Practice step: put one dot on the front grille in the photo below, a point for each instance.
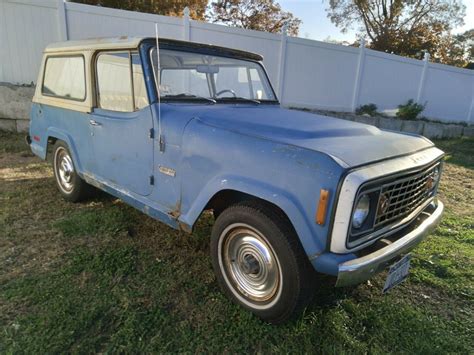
(404, 195)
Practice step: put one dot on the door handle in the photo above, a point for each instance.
(95, 123)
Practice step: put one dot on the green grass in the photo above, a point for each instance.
(100, 276)
(459, 151)
(89, 222)
(12, 143)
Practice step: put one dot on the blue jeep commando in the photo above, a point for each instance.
(190, 127)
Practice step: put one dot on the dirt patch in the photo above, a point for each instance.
(21, 157)
(29, 171)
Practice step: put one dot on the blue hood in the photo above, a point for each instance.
(351, 142)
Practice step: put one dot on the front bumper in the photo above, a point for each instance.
(378, 256)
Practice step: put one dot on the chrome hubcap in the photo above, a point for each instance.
(64, 169)
(250, 264)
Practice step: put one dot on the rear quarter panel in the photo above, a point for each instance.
(64, 124)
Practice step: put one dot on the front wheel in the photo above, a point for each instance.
(259, 261)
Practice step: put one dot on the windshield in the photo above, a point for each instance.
(187, 75)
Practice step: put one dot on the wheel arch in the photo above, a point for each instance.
(53, 135)
(228, 197)
(241, 189)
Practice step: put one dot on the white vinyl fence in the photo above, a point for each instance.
(305, 73)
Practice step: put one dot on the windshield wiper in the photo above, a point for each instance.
(239, 98)
(189, 96)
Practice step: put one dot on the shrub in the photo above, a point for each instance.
(410, 110)
(369, 109)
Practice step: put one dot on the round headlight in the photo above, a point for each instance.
(361, 211)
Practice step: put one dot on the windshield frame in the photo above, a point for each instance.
(203, 50)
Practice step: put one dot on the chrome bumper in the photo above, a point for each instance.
(358, 270)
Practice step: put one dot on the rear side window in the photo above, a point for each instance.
(64, 77)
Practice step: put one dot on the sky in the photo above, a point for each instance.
(317, 26)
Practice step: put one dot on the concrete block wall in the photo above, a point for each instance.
(15, 105)
(435, 130)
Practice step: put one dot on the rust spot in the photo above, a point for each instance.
(174, 214)
(176, 211)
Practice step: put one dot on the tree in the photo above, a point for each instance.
(160, 7)
(404, 27)
(260, 15)
(462, 49)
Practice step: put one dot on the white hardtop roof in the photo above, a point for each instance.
(126, 42)
(95, 43)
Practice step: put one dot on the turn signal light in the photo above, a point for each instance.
(322, 206)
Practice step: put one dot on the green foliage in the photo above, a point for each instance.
(369, 109)
(410, 110)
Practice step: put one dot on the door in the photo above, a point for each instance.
(121, 123)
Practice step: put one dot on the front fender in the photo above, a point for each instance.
(273, 194)
(290, 177)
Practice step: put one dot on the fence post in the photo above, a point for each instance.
(426, 61)
(187, 27)
(359, 73)
(282, 64)
(62, 21)
(470, 114)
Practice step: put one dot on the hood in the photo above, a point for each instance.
(350, 142)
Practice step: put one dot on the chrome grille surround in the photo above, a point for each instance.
(407, 195)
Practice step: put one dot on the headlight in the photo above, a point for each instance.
(361, 211)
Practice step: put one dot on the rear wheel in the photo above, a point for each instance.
(69, 183)
(259, 261)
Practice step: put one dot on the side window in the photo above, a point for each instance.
(114, 84)
(120, 82)
(139, 88)
(64, 77)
